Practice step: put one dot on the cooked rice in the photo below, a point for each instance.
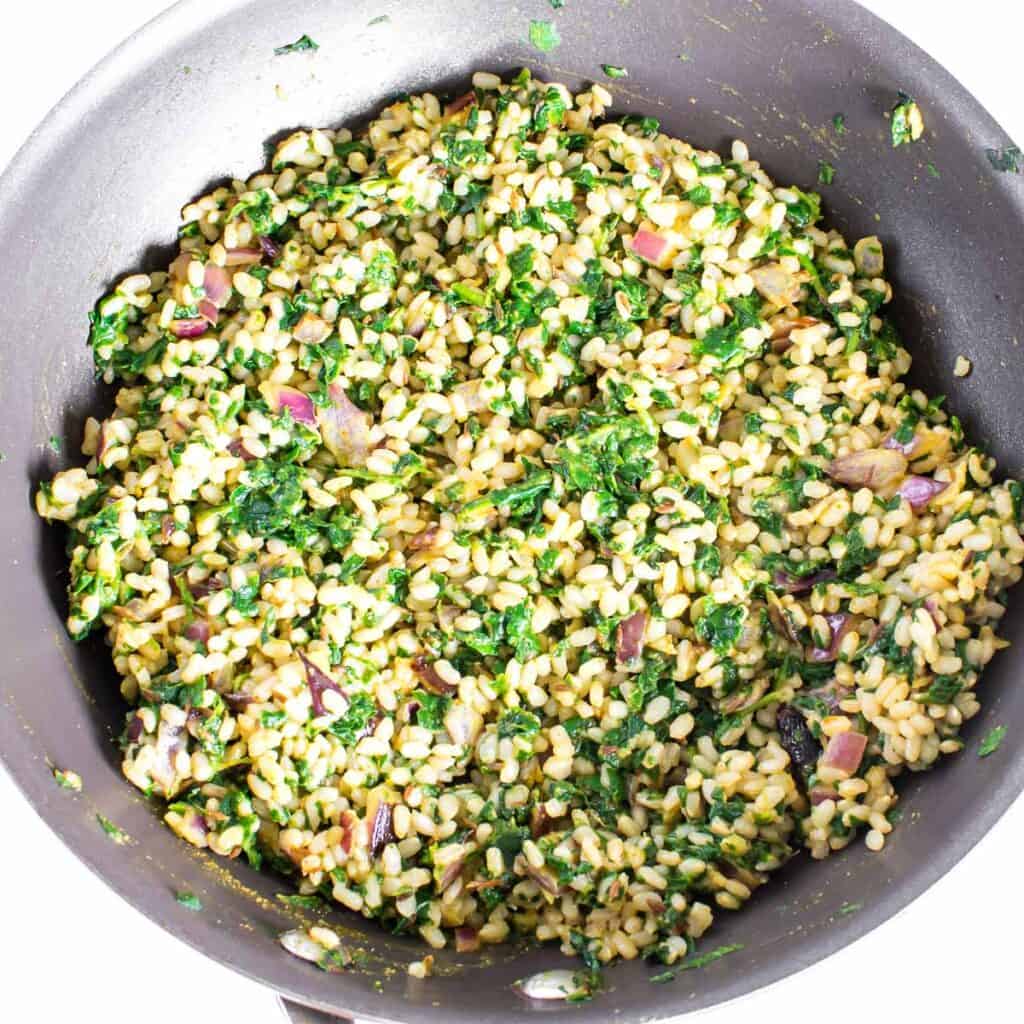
(500, 553)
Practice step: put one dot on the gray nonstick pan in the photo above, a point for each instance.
(194, 97)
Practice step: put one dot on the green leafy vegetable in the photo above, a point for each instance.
(189, 900)
(614, 71)
(544, 36)
(839, 124)
(115, 834)
(720, 625)
(992, 741)
(826, 172)
(905, 124)
(300, 44)
(1006, 160)
(354, 722)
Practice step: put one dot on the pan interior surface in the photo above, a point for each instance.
(194, 99)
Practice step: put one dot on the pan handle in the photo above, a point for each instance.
(297, 1014)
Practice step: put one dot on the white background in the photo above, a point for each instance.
(952, 955)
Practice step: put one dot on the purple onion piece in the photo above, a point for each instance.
(271, 250)
(802, 584)
(629, 638)
(189, 327)
(318, 682)
(381, 827)
(919, 490)
(428, 675)
(344, 427)
(839, 625)
(907, 449)
(198, 631)
(134, 729)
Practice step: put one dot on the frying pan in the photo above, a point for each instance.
(194, 98)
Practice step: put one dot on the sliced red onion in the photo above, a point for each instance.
(876, 468)
(237, 701)
(906, 450)
(217, 284)
(238, 449)
(424, 539)
(919, 490)
(198, 631)
(547, 881)
(629, 638)
(819, 794)
(311, 329)
(461, 102)
(467, 940)
(280, 397)
(540, 822)
(830, 694)
(844, 751)
(932, 607)
(380, 824)
(167, 528)
(135, 728)
(270, 249)
(451, 873)
(349, 825)
(208, 311)
(781, 619)
(192, 826)
(801, 584)
(648, 245)
(344, 427)
(319, 683)
(839, 625)
(189, 327)
(429, 677)
(204, 588)
(168, 743)
(242, 257)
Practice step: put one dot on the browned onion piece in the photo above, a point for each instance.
(876, 468)
(430, 679)
(344, 427)
(467, 940)
(311, 329)
(776, 284)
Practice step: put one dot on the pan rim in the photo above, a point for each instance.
(184, 18)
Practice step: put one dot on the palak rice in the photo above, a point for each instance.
(513, 523)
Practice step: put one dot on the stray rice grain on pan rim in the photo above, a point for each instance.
(514, 523)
